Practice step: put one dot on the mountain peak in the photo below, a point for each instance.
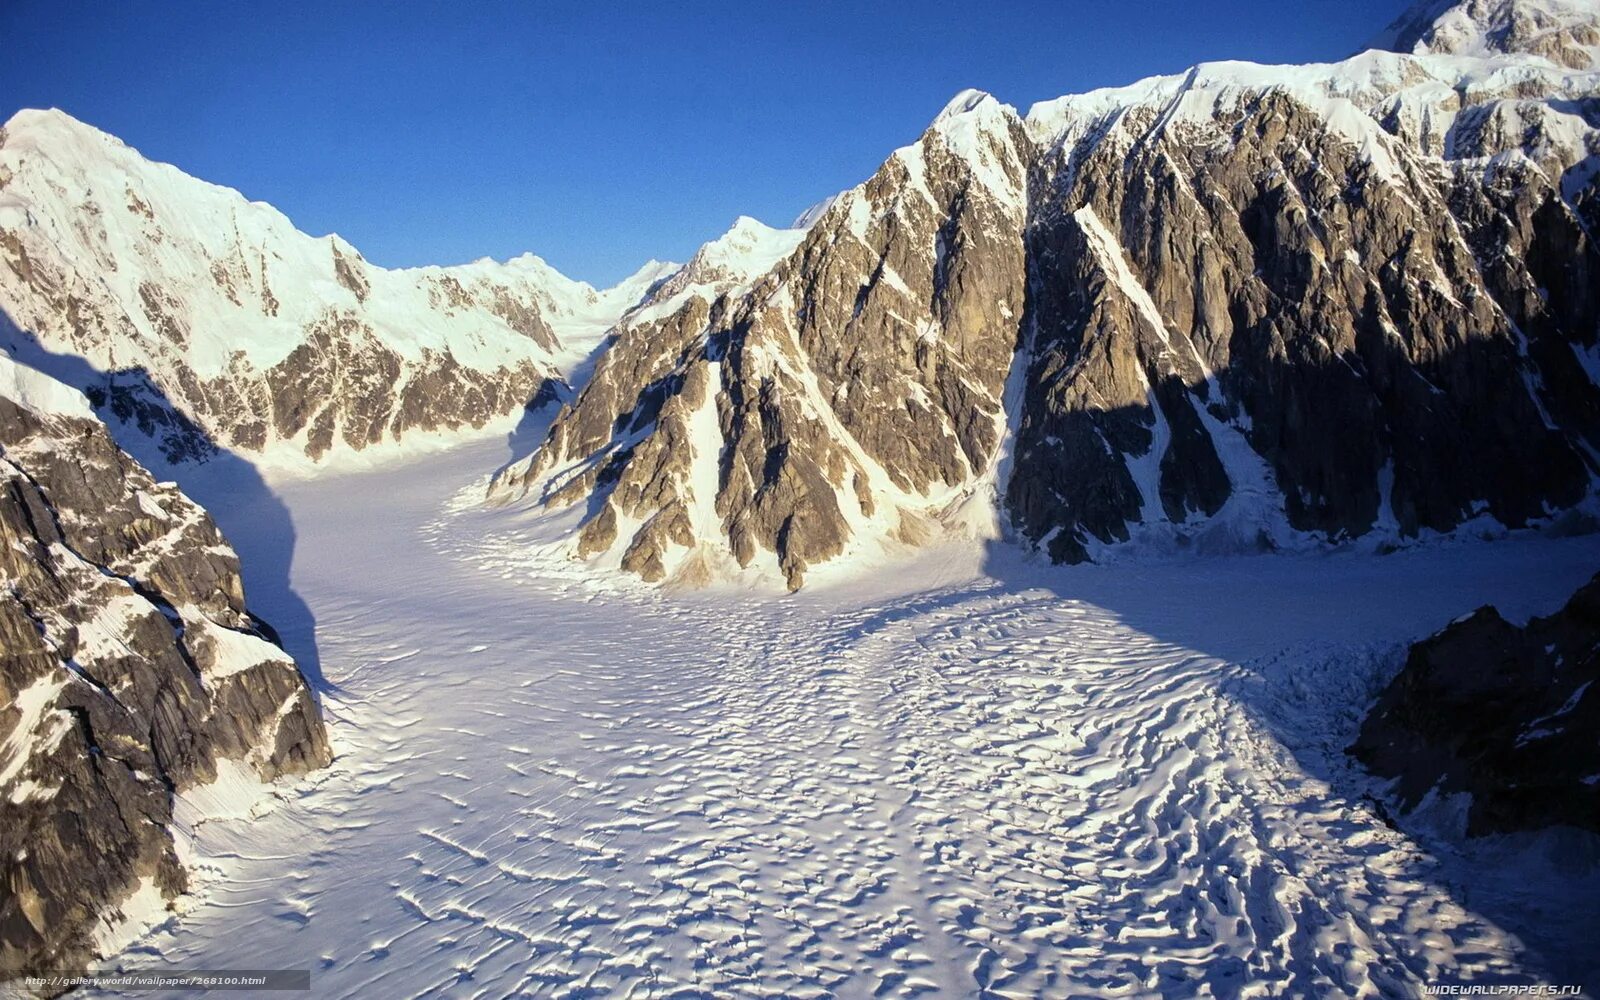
(31, 118)
(1566, 32)
(747, 248)
(56, 129)
(745, 229)
(967, 100)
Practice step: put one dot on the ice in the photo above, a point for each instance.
(965, 772)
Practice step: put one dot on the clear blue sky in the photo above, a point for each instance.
(596, 135)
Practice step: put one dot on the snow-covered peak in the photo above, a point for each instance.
(971, 113)
(269, 340)
(1565, 32)
(40, 120)
(966, 101)
(978, 129)
(1377, 99)
(809, 217)
(746, 251)
(749, 247)
(39, 392)
(248, 281)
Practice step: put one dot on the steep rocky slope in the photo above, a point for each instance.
(774, 420)
(1503, 713)
(1327, 300)
(129, 670)
(206, 320)
(1242, 306)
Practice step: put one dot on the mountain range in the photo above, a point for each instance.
(1238, 307)
(1241, 307)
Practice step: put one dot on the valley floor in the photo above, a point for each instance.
(981, 775)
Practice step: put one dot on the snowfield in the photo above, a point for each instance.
(975, 775)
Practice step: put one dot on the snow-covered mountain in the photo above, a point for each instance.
(1561, 31)
(205, 319)
(130, 669)
(1242, 305)
(828, 398)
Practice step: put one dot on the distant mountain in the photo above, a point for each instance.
(205, 320)
(1242, 306)
(1561, 31)
(130, 670)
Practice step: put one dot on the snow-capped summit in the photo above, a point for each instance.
(1565, 32)
(1237, 307)
(749, 248)
(964, 102)
(207, 320)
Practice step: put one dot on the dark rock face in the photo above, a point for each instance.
(129, 668)
(1505, 714)
(1399, 345)
(1247, 307)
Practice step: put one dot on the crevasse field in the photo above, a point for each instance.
(971, 775)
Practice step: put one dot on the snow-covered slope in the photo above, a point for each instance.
(201, 315)
(129, 669)
(1561, 31)
(938, 783)
(1241, 306)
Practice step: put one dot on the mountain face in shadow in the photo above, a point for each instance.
(1504, 713)
(131, 670)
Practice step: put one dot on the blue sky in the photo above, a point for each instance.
(596, 135)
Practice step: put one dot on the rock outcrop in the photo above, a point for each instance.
(1505, 714)
(203, 320)
(1239, 307)
(130, 670)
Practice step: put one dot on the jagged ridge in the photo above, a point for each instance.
(1244, 306)
(205, 320)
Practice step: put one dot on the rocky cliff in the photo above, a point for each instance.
(204, 320)
(1502, 713)
(1242, 306)
(130, 670)
(775, 420)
